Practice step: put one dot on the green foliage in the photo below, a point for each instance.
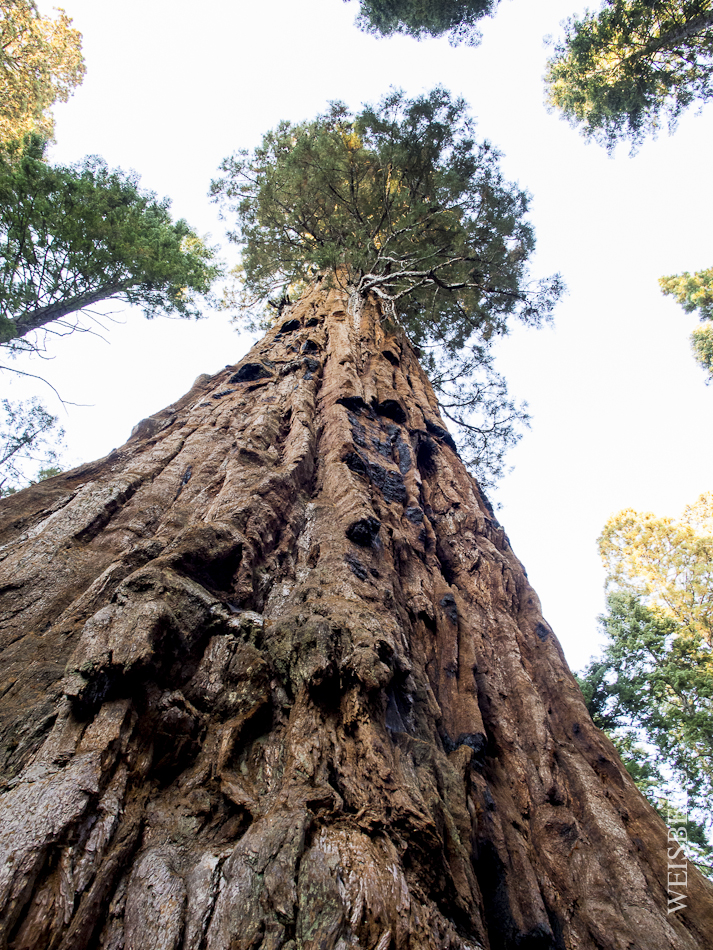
(29, 437)
(695, 292)
(695, 839)
(72, 236)
(652, 692)
(652, 688)
(608, 715)
(50, 472)
(618, 73)
(423, 18)
(666, 562)
(401, 201)
(692, 291)
(702, 345)
(40, 64)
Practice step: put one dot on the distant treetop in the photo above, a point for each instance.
(40, 64)
(423, 18)
(620, 73)
(695, 293)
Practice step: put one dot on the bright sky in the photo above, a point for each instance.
(621, 414)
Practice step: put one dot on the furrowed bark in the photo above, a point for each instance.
(273, 678)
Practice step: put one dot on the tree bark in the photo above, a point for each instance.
(273, 678)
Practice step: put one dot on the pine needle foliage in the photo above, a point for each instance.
(622, 73)
(401, 201)
(425, 18)
(651, 691)
(40, 64)
(667, 563)
(30, 441)
(652, 688)
(71, 236)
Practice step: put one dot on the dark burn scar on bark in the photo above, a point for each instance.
(355, 566)
(448, 602)
(542, 631)
(391, 409)
(364, 531)
(249, 373)
(390, 484)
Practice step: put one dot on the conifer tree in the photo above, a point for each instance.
(621, 73)
(424, 18)
(400, 201)
(73, 236)
(40, 64)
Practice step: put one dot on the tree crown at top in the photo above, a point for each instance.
(619, 72)
(401, 201)
(422, 18)
(40, 64)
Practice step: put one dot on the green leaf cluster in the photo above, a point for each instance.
(40, 64)
(402, 202)
(30, 439)
(71, 236)
(424, 18)
(619, 72)
(651, 691)
(666, 562)
(695, 292)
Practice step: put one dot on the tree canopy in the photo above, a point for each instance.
(423, 18)
(695, 293)
(399, 200)
(40, 64)
(651, 689)
(654, 681)
(71, 236)
(619, 73)
(30, 440)
(665, 562)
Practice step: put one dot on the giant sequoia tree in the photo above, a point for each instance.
(401, 201)
(273, 678)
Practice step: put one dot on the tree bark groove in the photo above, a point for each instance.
(273, 678)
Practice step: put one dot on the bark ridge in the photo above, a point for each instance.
(272, 677)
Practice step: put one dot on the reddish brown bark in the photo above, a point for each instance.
(273, 678)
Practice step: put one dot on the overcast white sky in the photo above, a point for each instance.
(621, 414)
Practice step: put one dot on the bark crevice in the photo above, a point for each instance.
(274, 679)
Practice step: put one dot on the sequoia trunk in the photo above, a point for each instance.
(273, 678)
